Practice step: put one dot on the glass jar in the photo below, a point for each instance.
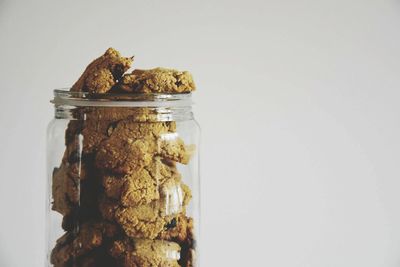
(123, 180)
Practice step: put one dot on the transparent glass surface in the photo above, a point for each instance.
(123, 181)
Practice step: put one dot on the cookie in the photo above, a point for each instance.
(124, 156)
(158, 80)
(65, 190)
(132, 146)
(71, 246)
(140, 187)
(148, 221)
(146, 253)
(103, 73)
(126, 153)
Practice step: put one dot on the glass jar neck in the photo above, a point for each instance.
(139, 114)
(153, 107)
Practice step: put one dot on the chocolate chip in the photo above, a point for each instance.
(171, 224)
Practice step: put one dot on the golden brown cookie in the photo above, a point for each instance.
(148, 221)
(132, 147)
(84, 136)
(71, 246)
(116, 139)
(158, 80)
(146, 215)
(102, 74)
(95, 124)
(65, 190)
(146, 253)
(142, 186)
(124, 156)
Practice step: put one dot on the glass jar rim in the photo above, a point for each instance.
(64, 97)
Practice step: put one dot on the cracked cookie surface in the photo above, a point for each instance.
(133, 145)
(149, 220)
(157, 80)
(142, 186)
(146, 253)
(102, 74)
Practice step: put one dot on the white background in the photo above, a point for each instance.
(298, 102)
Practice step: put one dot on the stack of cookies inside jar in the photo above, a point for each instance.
(118, 188)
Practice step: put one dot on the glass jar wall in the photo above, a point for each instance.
(123, 181)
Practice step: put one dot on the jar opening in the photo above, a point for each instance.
(63, 97)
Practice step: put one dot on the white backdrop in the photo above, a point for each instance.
(298, 102)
